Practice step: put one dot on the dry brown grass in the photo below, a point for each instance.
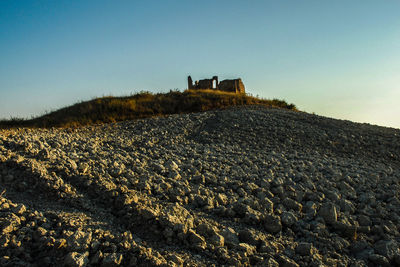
(141, 105)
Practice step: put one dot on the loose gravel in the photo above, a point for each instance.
(246, 186)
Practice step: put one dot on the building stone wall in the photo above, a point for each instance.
(233, 86)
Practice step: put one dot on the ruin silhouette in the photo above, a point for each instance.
(233, 86)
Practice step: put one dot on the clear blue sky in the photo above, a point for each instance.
(335, 58)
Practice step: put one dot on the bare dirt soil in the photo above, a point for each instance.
(247, 186)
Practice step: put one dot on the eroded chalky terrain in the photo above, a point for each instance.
(240, 187)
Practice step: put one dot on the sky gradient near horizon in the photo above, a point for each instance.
(339, 59)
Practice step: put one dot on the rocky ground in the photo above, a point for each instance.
(246, 186)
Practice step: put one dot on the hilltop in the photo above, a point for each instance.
(142, 105)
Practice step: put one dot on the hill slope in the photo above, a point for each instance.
(242, 186)
(142, 105)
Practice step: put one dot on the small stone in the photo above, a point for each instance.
(230, 236)
(199, 179)
(73, 164)
(266, 247)
(252, 216)
(241, 209)
(20, 209)
(328, 212)
(172, 165)
(4, 240)
(272, 224)
(268, 204)
(347, 230)
(217, 240)
(387, 248)
(248, 237)
(75, 259)
(332, 195)
(60, 243)
(15, 242)
(288, 218)
(158, 167)
(255, 260)
(177, 260)
(249, 249)
(196, 240)
(359, 246)
(221, 199)
(287, 262)
(346, 206)
(364, 255)
(83, 167)
(111, 259)
(304, 249)
(347, 190)
(174, 174)
(379, 260)
(292, 204)
(270, 263)
(364, 229)
(364, 220)
(310, 208)
(79, 240)
(116, 171)
(201, 201)
(4, 206)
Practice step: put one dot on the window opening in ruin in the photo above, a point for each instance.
(214, 84)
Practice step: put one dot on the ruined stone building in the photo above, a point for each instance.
(233, 86)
